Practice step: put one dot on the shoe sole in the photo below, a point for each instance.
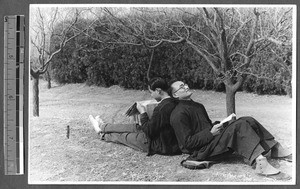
(189, 164)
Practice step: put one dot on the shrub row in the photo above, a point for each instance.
(127, 66)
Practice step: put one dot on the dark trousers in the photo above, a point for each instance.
(245, 136)
(127, 134)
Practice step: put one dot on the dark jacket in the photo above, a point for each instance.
(160, 134)
(192, 126)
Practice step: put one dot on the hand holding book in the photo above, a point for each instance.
(138, 108)
(227, 119)
(141, 107)
(218, 128)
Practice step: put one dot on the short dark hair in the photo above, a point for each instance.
(158, 82)
(170, 88)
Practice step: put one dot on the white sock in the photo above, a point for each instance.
(260, 157)
(95, 124)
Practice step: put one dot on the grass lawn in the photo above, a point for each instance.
(83, 157)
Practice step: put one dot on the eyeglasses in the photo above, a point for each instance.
(182, 86)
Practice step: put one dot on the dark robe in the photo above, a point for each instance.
(192, 126)
(160, 134)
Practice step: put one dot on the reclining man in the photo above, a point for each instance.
(205, 141)
(155, 135)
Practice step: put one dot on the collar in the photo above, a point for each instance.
(167, 97)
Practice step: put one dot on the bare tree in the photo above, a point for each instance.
(118, 27)
(227, 38)
(44, 32)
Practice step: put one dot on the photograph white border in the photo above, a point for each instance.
(294, 81)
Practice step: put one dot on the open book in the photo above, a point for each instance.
(229, 118)
(149, 104)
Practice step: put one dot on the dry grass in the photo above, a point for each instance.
(83, 157)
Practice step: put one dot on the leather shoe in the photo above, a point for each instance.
(263, 167)
(191, 164)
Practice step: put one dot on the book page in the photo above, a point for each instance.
(149, 104)
(228, 118)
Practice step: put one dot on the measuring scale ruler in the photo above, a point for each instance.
(14, 27)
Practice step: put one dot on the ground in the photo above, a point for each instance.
(55, 158)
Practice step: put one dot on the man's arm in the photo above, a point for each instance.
(151, 126)
(206, 114)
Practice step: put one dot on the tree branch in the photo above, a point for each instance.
(237, 33)
(210, 26)
(205, 36)
(205, 57)
(150, 64)
(252, 40)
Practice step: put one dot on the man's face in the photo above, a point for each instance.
(181, 90)
(155, 94)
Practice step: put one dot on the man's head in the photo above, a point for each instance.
(181, 90)
(158, 88)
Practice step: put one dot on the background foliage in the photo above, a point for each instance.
(84, 59)
(127, 66)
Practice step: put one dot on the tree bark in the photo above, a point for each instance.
(230, 99)
(150, 64)
(48, 79)
(35, 95)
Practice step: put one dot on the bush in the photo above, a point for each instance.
(127, 66)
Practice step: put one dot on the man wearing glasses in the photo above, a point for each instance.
(207, 141)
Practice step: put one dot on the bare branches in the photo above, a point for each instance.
(43, 36)
(227, 38)
(278, 42)
(213, 40)
(209, 60)
(237, 33)
(255, 75)
(134, 30)
(252, 39)
(210, 26)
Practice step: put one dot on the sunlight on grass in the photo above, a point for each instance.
(84, 157)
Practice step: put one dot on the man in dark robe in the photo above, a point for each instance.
(204, 140)
(153, 136)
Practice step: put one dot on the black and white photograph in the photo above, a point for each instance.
(164, 94)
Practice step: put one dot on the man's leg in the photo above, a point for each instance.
(237, 137)
(101, 127)
(137, 141)
(126, 134)
(120, 128)
(267, 140)
(262, 132)
(245, 141)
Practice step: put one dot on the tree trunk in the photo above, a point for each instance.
(150, 64)
(35, 95)
(289, 89)
(230, 100)
(48, 79)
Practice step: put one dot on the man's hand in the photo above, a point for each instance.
(140, 107)
(216, 129)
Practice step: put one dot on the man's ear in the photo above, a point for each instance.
(174, 95)
(158, 90)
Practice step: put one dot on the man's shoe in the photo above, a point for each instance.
(263, 167)
(190, 164)
(279, 152)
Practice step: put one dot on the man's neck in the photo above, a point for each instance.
(186, 98)
(165, 96)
